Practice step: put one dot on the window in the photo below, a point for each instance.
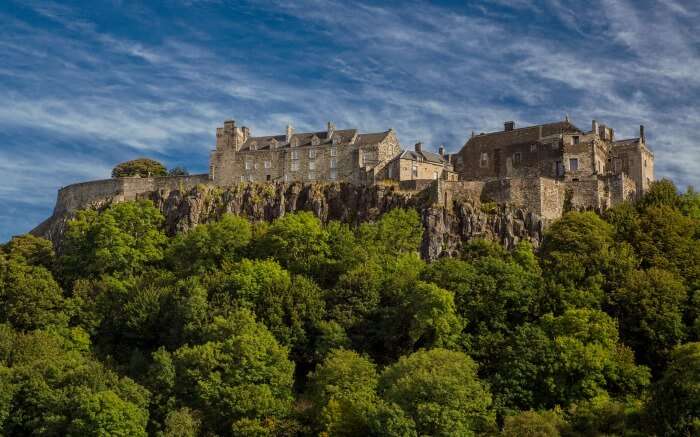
(414, 170)
(555, 145)
(574, 139)
(311, 176)
(573, 164)
(255, 166)
(333, 163)
(295, 165)
(516, 158)
(391, 171)
(312, 165)
(558, 169)
(248, 165)
(253, 145)
(250, 178)
(312, 153)
(533, 147)
(286, 178)
(334, 150)
(268, 164)
(242, 178)
(484, 161)
(315, 141)
(333, 174)
(435, 175)
(295, 154)
(336, 139)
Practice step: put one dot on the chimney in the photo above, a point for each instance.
(246, 133)
(229, 125)
(290, 132)
(595, 128)
(419, 147)
(642, 138)
(508, 126)
(604, 131)
(441, 150)
(330, 130)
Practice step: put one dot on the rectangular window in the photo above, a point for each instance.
(248, 165)
(312, 153)
(484, 161)
(414, 170)
(312, 176)
(268, 164)
(312, 165)
(533, 147)
(333, 174)
(250, 177)
(573, 164)
(334, 151)
(295, 154)
(574, 140)
(256, 165)
(333, 163)
(295, 165)
(558, 169)
(516, 158)
(435, 175)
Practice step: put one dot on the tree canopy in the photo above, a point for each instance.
(143, 167)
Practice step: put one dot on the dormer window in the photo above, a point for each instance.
(253, 145)
(294, 142)
(273, 143)
(334, 151)
(336, 140)
(315, 141)
(312, 153)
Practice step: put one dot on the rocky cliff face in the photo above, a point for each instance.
(446, 228)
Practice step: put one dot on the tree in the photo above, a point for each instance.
(297, 241)
(208, 246)
(439, 390)
(30, 298)
(31, 250)
(343, 393)
(563, 360)
(533, 424)
(54, 387)
(660, 193)
(121, 240)
(674, 409)
(650, 308)
(178, 171)
(142, 167)
(238, 376)
(398, 231)
(581, 260)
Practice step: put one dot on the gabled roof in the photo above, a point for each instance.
(425, 156)
(344, 136)
(521, 135)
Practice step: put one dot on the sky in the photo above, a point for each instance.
(86, 85)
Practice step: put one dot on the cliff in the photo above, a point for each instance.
(448, 223)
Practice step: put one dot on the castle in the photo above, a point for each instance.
(545, 169)
(541, 167)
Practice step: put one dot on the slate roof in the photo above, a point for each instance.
(304, 139)
(521, 135)
(426, 156)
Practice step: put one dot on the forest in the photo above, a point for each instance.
(300, 328)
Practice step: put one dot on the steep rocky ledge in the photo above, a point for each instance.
(446, 227)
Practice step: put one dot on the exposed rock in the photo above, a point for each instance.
(446, 228)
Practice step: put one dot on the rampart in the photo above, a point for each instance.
(82, 195)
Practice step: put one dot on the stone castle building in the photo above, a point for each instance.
(342, 155)
(544, 169)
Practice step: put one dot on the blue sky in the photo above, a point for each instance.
(85, 85)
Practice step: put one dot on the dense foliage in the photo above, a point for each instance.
(143, 167)
(302, 328)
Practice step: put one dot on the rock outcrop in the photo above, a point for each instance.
(446, 227)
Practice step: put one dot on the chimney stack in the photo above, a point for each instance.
(330, 130)
(419, 147)
(595, 128)
(508, 126)
(642, 137)
(246, 133)
(290, 132)
(441, 150)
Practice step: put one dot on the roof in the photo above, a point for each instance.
(425, 156)
(343, 136)
(626, 142)
(521, 135)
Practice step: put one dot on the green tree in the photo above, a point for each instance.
(208, 246)
(440, 391)
(122, 240)
(297, 241)
(650, 307)
(31, 250)
(178, 171)
(142, 167)
(343, 393)
(660, 193)
(674, 409)
(237, 374)
(55, 387)
(30, 298)
(534, 424)
(398, 231)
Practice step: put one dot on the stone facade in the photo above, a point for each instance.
(331, 155)
(418, 164)
(591, 168)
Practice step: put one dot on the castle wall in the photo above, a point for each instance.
(85, 194)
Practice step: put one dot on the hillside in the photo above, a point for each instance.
(324, 309)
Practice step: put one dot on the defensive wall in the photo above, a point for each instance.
(85, 194)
